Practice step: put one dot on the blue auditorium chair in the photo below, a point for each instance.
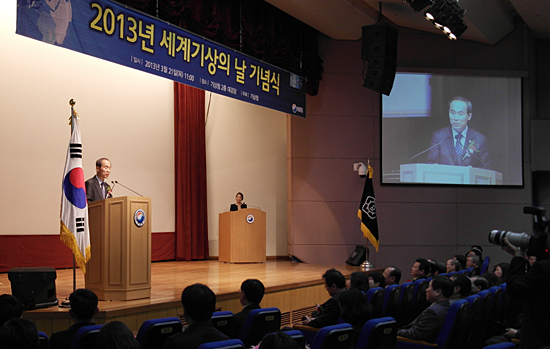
(503, 345)
(298, 336)
(375, 297)
(44, 340)
(153, 333)
(477, 335)
(258, 323)
(333, 337)
(484, 265)
(85, 337)
(227, 344)
(391, 300)
(404, 309)
(378, 333)
(224, 321)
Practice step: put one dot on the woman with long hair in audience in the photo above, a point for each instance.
(355, 310)
(501, 271)
(116, 335)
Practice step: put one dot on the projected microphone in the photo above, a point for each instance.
(433, 146)
(133, 191)
(470, 152)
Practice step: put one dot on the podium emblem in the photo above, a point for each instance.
(139, 217)
(250, 219)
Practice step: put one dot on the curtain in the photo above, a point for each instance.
(190, 176)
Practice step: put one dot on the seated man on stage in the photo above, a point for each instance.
(252, 292)
(459, 145)
(97, 187)
(427, 325)
(328, 312)
(83, 309)
(199, 302)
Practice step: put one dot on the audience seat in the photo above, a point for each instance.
(298, 336)
(258, 323)
(391, 300)
(44, 340)
(404, 309)
(153, 333)
(375, 297)
(484, 265)
(227, 344)
(501, 346)
(451, 336)
(419, 298)
(333, 337)
(85, 337)
(477, 334)
(378, 333)
(224, 321)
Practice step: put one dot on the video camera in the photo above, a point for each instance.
(535, 244)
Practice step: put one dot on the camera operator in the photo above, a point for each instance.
(531, 286)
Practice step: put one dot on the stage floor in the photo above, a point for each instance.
(292, 287)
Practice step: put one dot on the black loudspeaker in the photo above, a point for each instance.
(379, 49)
(358, 256)
(34, 287)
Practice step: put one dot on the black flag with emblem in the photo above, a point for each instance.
(367, 212)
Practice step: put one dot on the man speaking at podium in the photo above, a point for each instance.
(96, 187)
(459, 145)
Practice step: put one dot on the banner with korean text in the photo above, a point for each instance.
(107, 30)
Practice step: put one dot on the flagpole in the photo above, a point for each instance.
(366, 265)
(72, 102)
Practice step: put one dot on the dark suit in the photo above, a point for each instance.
(427, 325)
(241, 317)
(62, 339)
(329, 313)
(93, 190)
(444, 153)
(234, 207)
(194, 335)
(533, 290)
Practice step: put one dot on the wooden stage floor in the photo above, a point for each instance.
(292, 287)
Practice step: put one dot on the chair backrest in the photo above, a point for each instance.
(44, 340)
(404, 309)
(226, 344)
(375, 297)
(419, 299)
(85, 337)
(391, 300)
(333, 337)
(224, 321)
(154, 332)
(298, 336)
(469, 271)
(484, 265)
(503, 345)
(480, 318)
(258, 323)
(454, 332)
(378, 333)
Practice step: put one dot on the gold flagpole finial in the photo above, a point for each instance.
(72, 102)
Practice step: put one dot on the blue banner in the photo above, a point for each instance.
(107, 30)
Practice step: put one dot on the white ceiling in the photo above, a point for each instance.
(488, 21)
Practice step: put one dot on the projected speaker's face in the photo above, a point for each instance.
(458, 115)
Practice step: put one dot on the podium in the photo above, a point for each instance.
(120, 239)
(242, 236)
(448, 174)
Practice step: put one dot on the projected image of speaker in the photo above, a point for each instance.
(358, 256)
(34, 287)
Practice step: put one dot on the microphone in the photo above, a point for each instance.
(422, 152)
(133, 191)
(470, 152)
(113, 183)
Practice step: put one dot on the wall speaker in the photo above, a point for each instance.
(34, 287)
(379, 49)
(358, 256)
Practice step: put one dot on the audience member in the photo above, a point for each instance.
(427, 325)
(278, 340)
(251, 294)
(461, 259)
(199, 302)
(376, 279)
(492, 279)
(531, 259)
(10, 308)
(473, 262)
(392, 276)
(441, 268)
(501, 271)
(19, 333)
(83, 309)
(479, 284)
(462, 287)
(355, 310)
(328, 312)
(359, 280)
(453, 265)
(116, 335)
(420, 269)
(475, 250)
